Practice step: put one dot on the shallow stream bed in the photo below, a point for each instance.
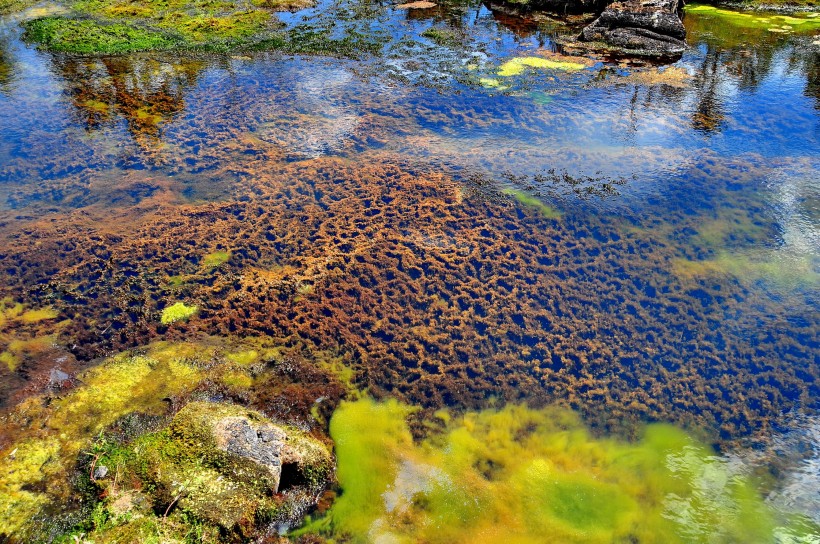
(462, 217)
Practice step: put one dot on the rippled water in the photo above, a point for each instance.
(387, 209)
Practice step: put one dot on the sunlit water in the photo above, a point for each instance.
(682, 287)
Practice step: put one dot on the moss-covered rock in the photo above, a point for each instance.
(229, 466)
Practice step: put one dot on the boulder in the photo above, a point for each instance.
(651, 28)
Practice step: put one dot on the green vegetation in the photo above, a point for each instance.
(533, 202)
(777, 23)
(518, 474)
(517, 65)
(178, 312)
(443, 36)
(185, 472)
(215, 259)
(122, 26)
(87, 36)
(26, 332)
(784, 270)
(30, 475)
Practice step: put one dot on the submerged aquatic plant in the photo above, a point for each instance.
(533, 202)
(517, 474)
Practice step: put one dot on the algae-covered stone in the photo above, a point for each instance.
(231, 466)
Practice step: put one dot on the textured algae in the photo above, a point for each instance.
(215, 259)
(517, 474)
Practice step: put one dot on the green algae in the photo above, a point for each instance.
(35, 316)
(781, 270)
(215, 259)
(178, 311)
(517, 65)
(517, 474)
(27, 464)
(752, 20)
(533, 202)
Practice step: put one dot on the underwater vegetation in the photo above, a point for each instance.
(179, 311)
(432, 294)
(27, 335)
(517, 474)
(533, 202)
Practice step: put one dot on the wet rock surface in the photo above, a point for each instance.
(651, 28)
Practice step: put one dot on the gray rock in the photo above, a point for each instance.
(262, 444)
(100, 472)
(650, 28)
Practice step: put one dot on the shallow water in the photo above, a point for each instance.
(637, 243)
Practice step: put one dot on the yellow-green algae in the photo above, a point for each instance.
(533, 202)
(215, 259)
(177, 312)
(517, 65)
(798, 22)
(61, 428)
(33, 339)
(520, 474)
(782, 270)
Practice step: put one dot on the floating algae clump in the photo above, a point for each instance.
(516, 66)
(177, 312)
(518, 474)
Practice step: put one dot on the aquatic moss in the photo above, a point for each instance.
(780, 270)
(87, 36)
(178, 311)
(517, 65)
(517, 474)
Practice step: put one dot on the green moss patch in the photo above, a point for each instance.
(85, 36)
